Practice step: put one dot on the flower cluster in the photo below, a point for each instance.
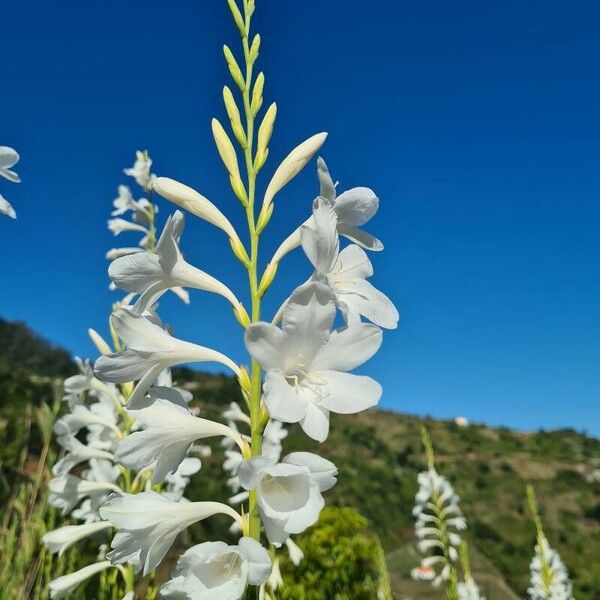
(8, 159)
(549, 576)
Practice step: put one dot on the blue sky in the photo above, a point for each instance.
(476, 124)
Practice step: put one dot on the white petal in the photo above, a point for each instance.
(349, 348)
(322, 471)
(316, 422)
(356, 206)
(360, 237)
(360, 297)
(352, 262)
(265, 343)
(326, 185)
(58, 540)
(259, 562)
(348, 393)
(320, 240)
(292, 164)
(284, 402)
(6, 208)
(8, 157)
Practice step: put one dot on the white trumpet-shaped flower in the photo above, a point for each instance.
(149, 351)
(81, 416)
(58, 540)
(151, 274)
(289, 492)
(353, 208)
(189, 199)
(66, 491)
(345, 272)
(549, 576)
(292, 164)
(141, 170)
(148, 524)
(169, 431)
(306, 363)
(217, 571)
(76, 454)
(63, 586)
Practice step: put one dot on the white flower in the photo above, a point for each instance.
(63, 586)
(169, 431)
(118, 252)
(216, 571)
(76, 453)
(272, 435)
(149, 351)
(79, 417)
(306, 363)
(66, 491)
(62, 538)
(148, 524)
(549, 576)
(345, 272)
(123, 202)
(292, 164)
(151, 274)
(289, 492)
(141, 170)
(6, 208)
(353, 209)
(294, 551)
(8, 158)
(235, 413)
(275, 579)
(196, 203)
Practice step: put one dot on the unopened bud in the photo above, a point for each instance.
(267, 278)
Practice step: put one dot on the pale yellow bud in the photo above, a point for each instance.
(257, 93)
(234, 116)
(255, 48)
(267, 278)
(266, 128)
(234, 68)
(99, 342)
(237, 16)
(226, 149)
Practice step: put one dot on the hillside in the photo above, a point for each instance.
(378, 454)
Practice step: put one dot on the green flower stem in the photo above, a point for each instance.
(255, 376)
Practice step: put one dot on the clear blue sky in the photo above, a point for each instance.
(477, 123)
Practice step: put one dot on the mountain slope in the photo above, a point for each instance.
(378, 455)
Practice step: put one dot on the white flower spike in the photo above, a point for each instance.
(306, 363)
(149, 523)
(149, 351)
(216, 571)
(141, 170)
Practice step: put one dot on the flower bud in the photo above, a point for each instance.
(99, 342)
(239, 250)
(237, 17)
(266, 128)
(242, 316)
(255, 48)
(226, 149)
(267, 278)
(257, 93)
(234, 69)
(263, 218)
(234, 116)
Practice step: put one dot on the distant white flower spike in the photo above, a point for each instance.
(306, 363)
(9, 157)
(178, 481)
(169, 431)
(289, 492)
(62, 538)
(216, 571)
(149, 351)
(141, 170)
(63, 586)
(196, 203)
(549, 576)
(469, 590)
(292, 164)
(148, 524)
(344, 272)
(151, 274)
(294, 551)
